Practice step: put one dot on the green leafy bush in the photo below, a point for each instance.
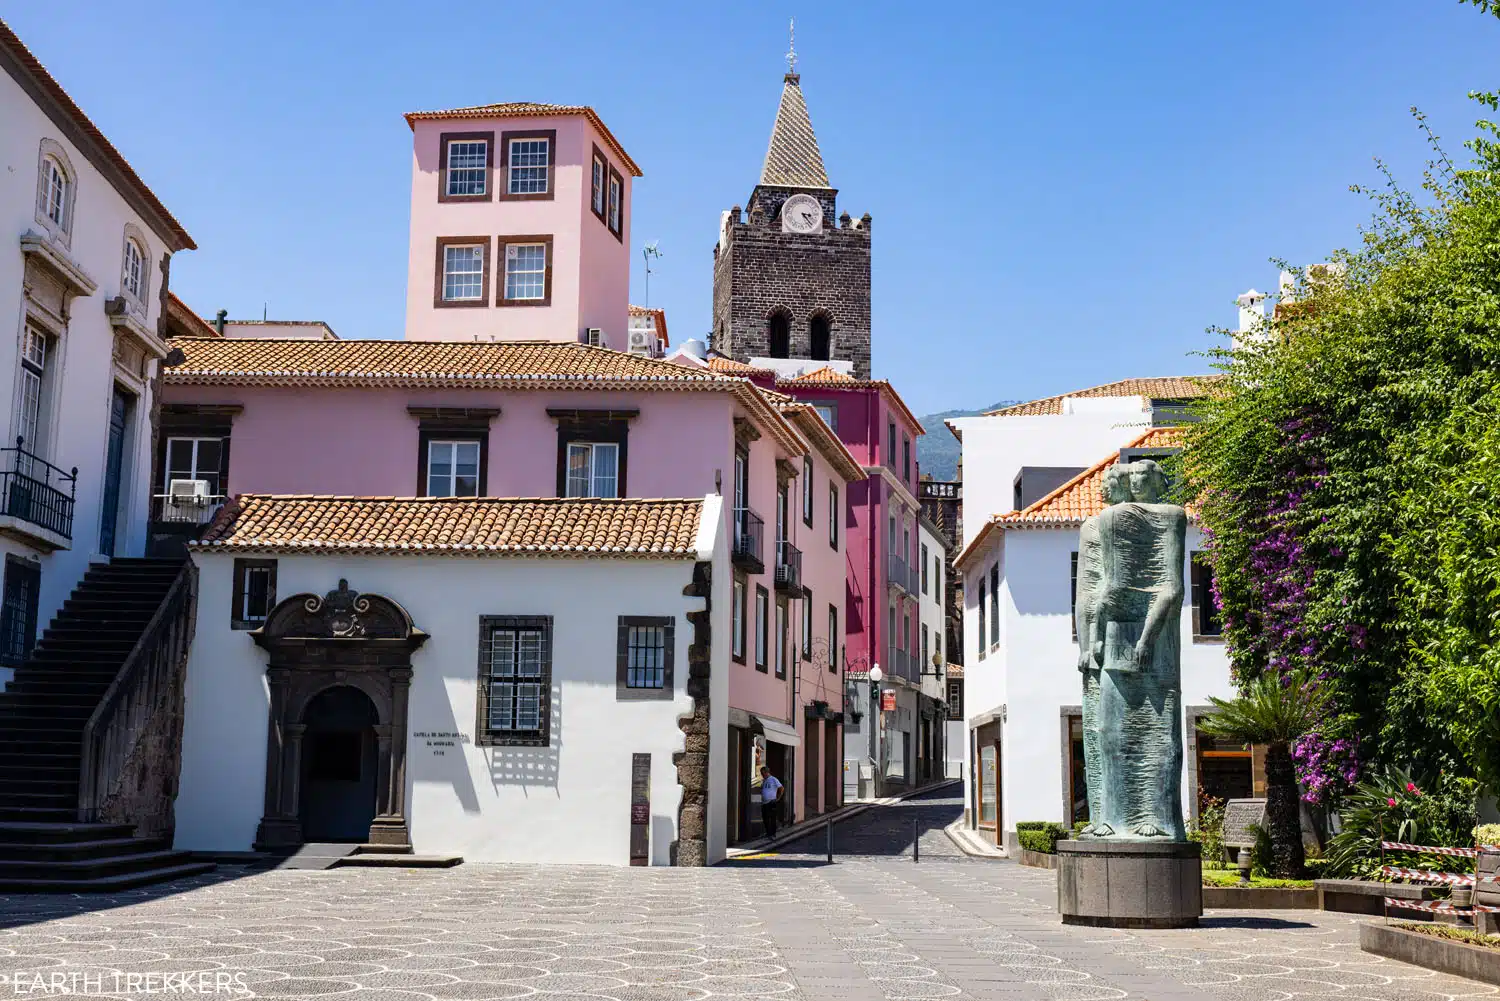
(1039, 835)
(1391, 806)
(1208, 830)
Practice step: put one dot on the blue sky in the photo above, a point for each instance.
(1062, 194)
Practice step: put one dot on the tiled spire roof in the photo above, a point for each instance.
(793, 159)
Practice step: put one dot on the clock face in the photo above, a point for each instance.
(801, 214)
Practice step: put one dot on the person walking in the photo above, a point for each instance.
(770, 801)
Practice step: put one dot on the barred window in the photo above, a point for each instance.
(644, 659)
(528, 166)
(515, 680)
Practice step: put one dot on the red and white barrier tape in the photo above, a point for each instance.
(1397, 846)
(1424, 876)
(1439, 906)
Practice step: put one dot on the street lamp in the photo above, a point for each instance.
(877, 718)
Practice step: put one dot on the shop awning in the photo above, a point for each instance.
(778, 731)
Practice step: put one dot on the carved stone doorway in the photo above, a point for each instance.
(342, 640)
(339, 760)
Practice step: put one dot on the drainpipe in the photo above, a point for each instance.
(876, 586)
(219, 319)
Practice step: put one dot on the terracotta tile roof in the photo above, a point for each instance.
(793, 158)
(115, 167)
(1172, 387)
(513, 365)
(184, 318)
(660, 529)
(1075, 500)
(530, 109)
(718, 363)
(804, 417)
(803, 382)
(955, 671)
(822, 376)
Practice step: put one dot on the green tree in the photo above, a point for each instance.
(1273, 711)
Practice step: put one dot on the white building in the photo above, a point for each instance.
(85, 288)
(1022, 690)
(548, 689)
(933, 663)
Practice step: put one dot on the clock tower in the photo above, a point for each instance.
(792, 275)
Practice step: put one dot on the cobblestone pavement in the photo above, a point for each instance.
(787, 926)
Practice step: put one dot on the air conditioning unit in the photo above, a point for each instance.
(640, 342)
(595, 337)
(187, 500)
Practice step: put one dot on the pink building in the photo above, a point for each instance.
(421, 418)
(511, 206)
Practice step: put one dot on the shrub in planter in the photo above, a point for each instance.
(1039, 835)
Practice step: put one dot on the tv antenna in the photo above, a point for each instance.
(650, 252)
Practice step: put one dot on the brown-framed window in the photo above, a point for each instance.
(924, 568)
(614, 210)
(22, 588)
(643, 660)
(593, 451)
(833, 515)
(783, 636)
(833, 639)
(598, 183)
(994, 604)
(466, 166)
(524, 274)
(906, 460)
(1207, 622)
(529, 158)
(515, 681)
(461, 273)
(253, 593)
(807, 623)
(453, 446)
(739, 605)
(1073, 593)
(762, 627)
(983, 603)
(807, 491)
(955, 699)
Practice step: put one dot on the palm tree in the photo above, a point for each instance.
(1273, 711)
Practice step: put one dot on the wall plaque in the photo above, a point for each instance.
(1239, 816)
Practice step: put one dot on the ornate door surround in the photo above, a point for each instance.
(363, 641)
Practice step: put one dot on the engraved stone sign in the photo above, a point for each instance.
(1239, 816)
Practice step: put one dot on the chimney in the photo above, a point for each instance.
(1252, 316)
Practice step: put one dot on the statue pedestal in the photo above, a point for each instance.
(1130, 884)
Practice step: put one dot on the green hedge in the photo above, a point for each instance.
(1039, 835)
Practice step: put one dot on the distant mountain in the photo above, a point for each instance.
(937, 450)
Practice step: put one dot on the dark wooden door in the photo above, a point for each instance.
(114, 470)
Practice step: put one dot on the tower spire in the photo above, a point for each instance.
(791, 52)
(793, 158)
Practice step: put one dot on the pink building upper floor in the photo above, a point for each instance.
(520, 225)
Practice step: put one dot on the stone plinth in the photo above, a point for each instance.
(1130, 884)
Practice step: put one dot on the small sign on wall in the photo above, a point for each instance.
(640, 809)
(888, 700)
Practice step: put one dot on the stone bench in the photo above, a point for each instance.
(1364, 896)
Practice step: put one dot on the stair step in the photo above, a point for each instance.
(103, 884)
(131, 860)
(35, 814)
(70, 851)
(23, 832)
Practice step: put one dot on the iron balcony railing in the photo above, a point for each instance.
(32, 490)
(788, 568)
(180, 510)
(903, 665)
(902, 575)
(749, 534)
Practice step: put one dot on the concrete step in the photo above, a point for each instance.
(43, 833)
(104, 884)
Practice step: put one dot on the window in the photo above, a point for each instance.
(525, 271)
(737, 624)
(829, 413)
(23, 580)
(463, 271)
(195, 459)
(1206, 618)
(762, 613)
(615, 212)
(890, 444)
(819, 339)
(54, 192)
(924, 568)
(453, 468)
(955, 698)
(779, 335)
(905, 459)
(529, 157)
(253, 593)
(593, 469)
(807, 628)
(468, 168)
(133, 277)
(807, 491)
(833, 639)
(643, 664)
(994, 604)
(983, 646)
(781, 639)
(36, 349)
(464, 163)
(833, 515)
(598, 183)
(515, 680)
(925, 651)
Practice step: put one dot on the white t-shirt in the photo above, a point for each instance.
(769, 788)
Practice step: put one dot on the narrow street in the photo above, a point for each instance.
(787, 925)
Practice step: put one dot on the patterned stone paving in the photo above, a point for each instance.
(872, 926)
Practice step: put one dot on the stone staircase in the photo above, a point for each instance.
(43, 712)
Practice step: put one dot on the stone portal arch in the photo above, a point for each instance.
(344, 638)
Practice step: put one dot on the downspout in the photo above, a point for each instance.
(875, 587)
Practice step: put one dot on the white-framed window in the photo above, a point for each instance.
(515, 666)
(194, 459)
(254, 593)
(616, 193)
(737, 623)
(463, 272)
(781, 640)
(453, 468)
(829, 413)
(528, 166)
(526, 271)
(597, 185)
(54, 193)
(132, 280)
(593, 469)
(35, 353)
(762, 614)
(833, 515)
(468, 166)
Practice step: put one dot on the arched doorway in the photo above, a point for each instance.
(338, 766)
(779, 335)
(820, 336)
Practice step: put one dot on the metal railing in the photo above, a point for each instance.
(788, 567)
(903, 664)
(749, 535)
(31, 489)
(903, 575)
(179, 510)
(147, 683)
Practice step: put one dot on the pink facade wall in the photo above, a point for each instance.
(581, 244)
